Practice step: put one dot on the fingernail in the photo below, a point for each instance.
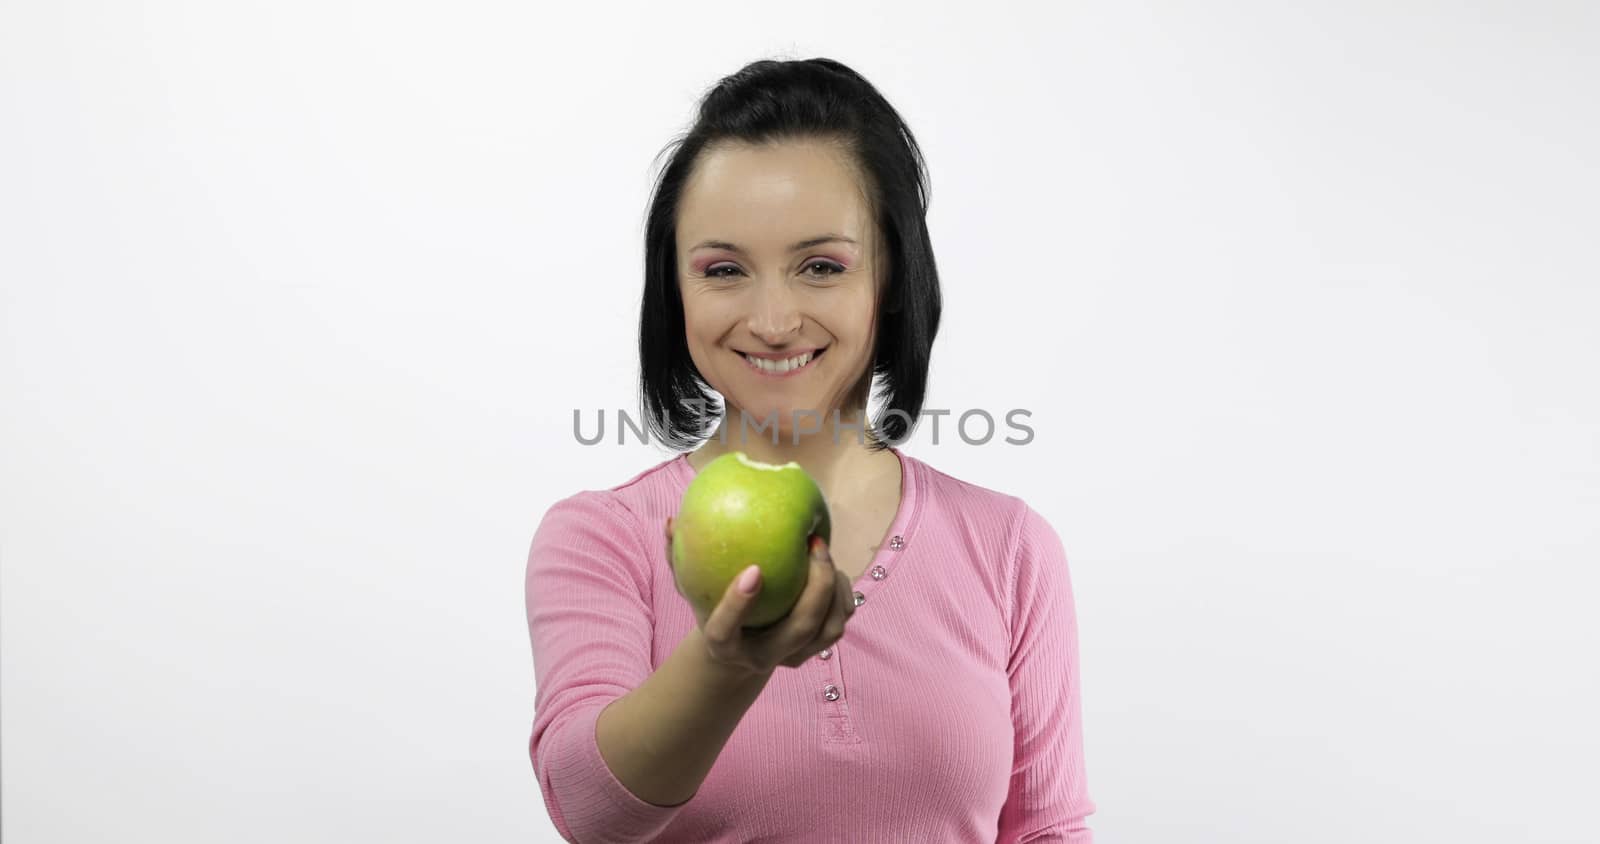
(816, 544)
(747, 581)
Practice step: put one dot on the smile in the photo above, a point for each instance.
(783, 368)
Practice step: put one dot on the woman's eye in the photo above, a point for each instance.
(716, 272)
(831, 268)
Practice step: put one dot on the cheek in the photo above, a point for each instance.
(698, 311)
(850, 319)
(705, 324)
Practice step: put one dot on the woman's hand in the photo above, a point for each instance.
(815, 624)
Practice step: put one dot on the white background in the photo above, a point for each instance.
(299, 299)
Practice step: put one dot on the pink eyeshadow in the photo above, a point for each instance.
(700, 265)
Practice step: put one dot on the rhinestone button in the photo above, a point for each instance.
(897, 542)
(830, 692)
(860, 599)
(827, 653)
(879, 572)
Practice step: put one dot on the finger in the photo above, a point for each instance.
(819, 597)
(847, 595)
(844, 606)
(727, 620)
(832, 628)
(831, 576)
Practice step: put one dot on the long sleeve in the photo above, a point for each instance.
(590, 623)
(1048, 799)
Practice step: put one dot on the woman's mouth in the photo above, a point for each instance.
(783, 368)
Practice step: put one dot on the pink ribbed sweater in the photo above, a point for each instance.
(956, 715)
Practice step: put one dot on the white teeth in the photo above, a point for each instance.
(780, 365)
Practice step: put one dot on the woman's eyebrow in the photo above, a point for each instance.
(804, 244)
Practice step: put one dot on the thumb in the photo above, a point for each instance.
(728, 618)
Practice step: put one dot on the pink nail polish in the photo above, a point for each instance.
(747, 581)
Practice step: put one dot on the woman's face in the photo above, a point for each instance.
(776, 257)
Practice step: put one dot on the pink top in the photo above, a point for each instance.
(956, 715)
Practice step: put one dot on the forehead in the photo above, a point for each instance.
(771, 195)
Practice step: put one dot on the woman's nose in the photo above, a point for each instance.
(773, 316)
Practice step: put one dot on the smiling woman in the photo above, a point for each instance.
(787, 270)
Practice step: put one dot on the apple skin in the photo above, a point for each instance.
(736, 513)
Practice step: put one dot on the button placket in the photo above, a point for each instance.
(834, 713)
(879, 571)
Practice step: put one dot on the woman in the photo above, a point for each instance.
(787, 264)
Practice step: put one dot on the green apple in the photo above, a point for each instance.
(738, 512)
